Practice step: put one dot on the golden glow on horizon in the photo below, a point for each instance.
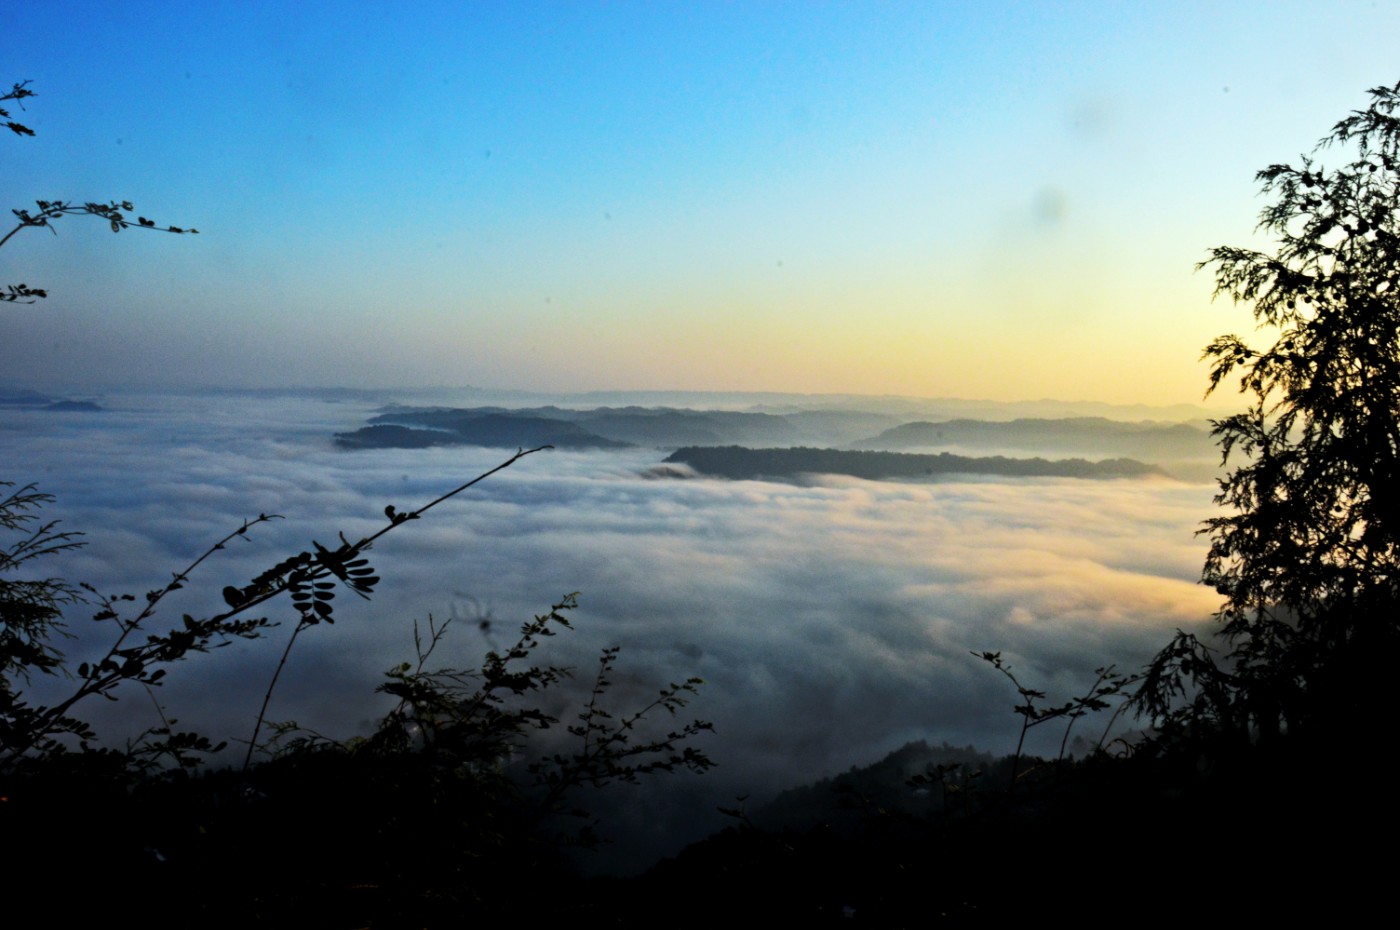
(870, 210)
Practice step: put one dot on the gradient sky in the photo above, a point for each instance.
(1000, 200)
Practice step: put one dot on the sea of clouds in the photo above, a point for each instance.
(832, 621)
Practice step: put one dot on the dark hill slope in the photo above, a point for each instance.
(1082, 435)
(471, 428)
(739, 463)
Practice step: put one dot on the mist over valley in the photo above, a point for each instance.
(832, 619)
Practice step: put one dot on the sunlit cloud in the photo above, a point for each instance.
(832, 620)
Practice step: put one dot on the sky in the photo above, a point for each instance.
(999, 200)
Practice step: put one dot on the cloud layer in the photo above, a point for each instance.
(831, 622)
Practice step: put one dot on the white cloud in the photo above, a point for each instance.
(832, 621)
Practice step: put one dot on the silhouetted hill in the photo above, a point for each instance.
(387, 436)
(33, 400)
(74, 406)
(739, 463)
(669, 428)
(674, 428)
(482, 427)
(842, 799)
(1131, 837)
(25, 398)
(663, 427)
(836, 427)
(1085, 435)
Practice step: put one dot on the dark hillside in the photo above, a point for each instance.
(740, 463)
(1070, 435)
(471, 428)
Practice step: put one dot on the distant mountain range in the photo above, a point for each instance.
(485, 426)
(674, 428)
(883, 784)
(740, 463)
(1082, 435)
(753, 444)
(607, 427)
(33, 400)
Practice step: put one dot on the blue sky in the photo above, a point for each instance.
(989, 200)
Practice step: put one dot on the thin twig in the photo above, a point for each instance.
(267, 695)
(395, 520)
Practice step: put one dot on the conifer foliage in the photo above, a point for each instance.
(1305, 553)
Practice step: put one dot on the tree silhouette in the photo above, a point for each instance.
(30, 609)
(1306, 551)
(115, 212)
(439, 814)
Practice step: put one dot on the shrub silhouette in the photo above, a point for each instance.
(439, 813)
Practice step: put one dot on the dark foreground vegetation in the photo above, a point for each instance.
(1260, 789)
(395, 831)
